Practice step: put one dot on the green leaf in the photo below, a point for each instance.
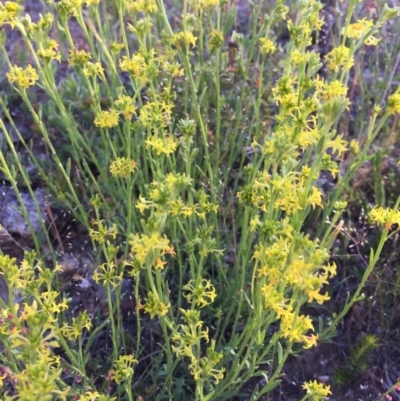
(379, 186)
(280, 352)
(320, 324)
(208, 396)
(60, 27)
(3, 37)
(270, 386)
(68, 167)
(201, 98)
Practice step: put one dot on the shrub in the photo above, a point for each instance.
(192, 155)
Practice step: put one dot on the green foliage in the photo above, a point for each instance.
(358, 361)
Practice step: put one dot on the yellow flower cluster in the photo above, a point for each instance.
(308, 20)
(66, 8)
(50, 52)
(340, 57)
(154, 306)
(143, 66)
(328, 91)
(394, 104)
(187, 343)
(165, 197)
(292, 265)
(79, 323)
(93, 69)
(385, 218)
(150, 249)
(289, 193)
(200, 293)
(107, 119)
(122, 167)
(316, 391)
(41, 379)
(78, 58)
(41, 26)
(141, 28)
(30, 330)
(141, 6)
(204, 368)
(189, 334)
(202, 4)
(24, 78)
(178, 208)
(108, 274)
(215, 40)
(9, 11)
(184, 40)
(156, 114)
(267, 46)
(294, 329)
(165, 145)
(361, 28)
(95, 396)
(126, 106)
(123, 368)
(100, 235)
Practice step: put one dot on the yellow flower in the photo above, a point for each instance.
(137, 6)
(317, 391)
(116, 47)
(122, 167)
(95, 396)
(155, 114)
(372, 41)
(394, 104)
(123, 368)
(9, 11)
(166, 145)
(78, 324)
(267, 46)
(142, 204)
(50, 53)
(182, 39)
(204, 368)
(338, 145)
(107, 119)
(215, 40)
(135, 65)
(201, 294)
(310, 341)
(78, 58)
(159, 264)
(154, 307)
(359, 28)
(23, 78)
(330, 91)
(173, 69)
(107, 274)
(339, 57)
(126, 106)
(385, 217)
(152, 245)
(103, 232)
(49, 302)
(93, 69)
(207, 3)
